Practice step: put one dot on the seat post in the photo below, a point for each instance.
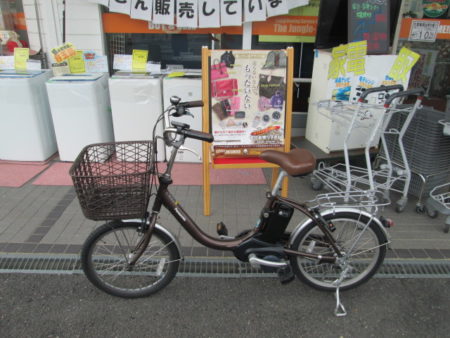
(277, 187)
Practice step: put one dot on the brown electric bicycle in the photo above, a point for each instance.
(133, 255)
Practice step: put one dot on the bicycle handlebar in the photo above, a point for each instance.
(198, 135)
(180, 108)
(191, 104)
(379, 89)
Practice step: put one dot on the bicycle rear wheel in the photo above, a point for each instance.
(105, 256)
(363, 251)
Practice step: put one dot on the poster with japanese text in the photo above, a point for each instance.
(248, 100)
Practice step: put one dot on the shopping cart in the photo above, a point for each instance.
(348, 178)
(426, 146)
(439, 202)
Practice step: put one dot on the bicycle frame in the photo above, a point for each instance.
(165, 198)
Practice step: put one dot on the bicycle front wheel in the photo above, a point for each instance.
(105, 260)
(363, 248)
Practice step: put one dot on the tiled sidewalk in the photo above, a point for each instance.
(48, 219)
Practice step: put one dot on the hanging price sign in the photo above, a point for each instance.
(422, 30)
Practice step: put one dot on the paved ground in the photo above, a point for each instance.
(68, 306)
(48, 219)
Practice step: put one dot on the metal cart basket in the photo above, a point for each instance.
(439, 201)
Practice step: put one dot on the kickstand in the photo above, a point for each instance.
(339, 311)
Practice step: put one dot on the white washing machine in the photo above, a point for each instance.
(81, 112)
(26, 127)
(188, 88)
(136, 104)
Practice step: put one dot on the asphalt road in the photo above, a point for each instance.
(68, 306)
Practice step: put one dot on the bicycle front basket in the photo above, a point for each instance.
(112, 180)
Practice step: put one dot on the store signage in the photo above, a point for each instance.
(120, 6)
(405, 60)
(21, 56)
(209, 13)
(141, 9)
(348, 58)
(369, 20)
(254, 10)
(231, 12)
(424, 30)
(187, 13)
(163, 12)
(100, 2)
(278, 7)
(435, 8)
(202, 13)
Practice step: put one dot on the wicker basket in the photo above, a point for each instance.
(112, 180)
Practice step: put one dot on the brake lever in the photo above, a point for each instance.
(190, 150)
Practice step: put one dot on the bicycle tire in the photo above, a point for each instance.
(104, 255)
(321, 275)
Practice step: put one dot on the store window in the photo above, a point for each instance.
(13, 30)
(185, 50)
(425, 29)
(168, 49)
(170, 45)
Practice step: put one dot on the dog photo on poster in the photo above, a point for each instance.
(248, 101)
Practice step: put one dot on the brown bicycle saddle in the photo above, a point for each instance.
(297, 162)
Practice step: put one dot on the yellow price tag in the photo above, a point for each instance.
(139, 60)
(63, 52)
(21, 56)
(76, 63)
(176, 74)
(405, 60)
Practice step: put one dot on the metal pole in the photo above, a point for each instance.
(38, 23)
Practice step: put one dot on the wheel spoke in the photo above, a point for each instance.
(355, 236)
(105, 260)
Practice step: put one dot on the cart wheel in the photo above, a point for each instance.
(446, 228)
(401, 204)
(431, 212)
(316, 185)
(420, 209)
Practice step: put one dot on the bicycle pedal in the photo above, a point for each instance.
(221, 229)
(286, 275)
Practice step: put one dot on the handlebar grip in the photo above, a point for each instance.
(415, 91)
(192, 104)
(379, 89)
(198, 135)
